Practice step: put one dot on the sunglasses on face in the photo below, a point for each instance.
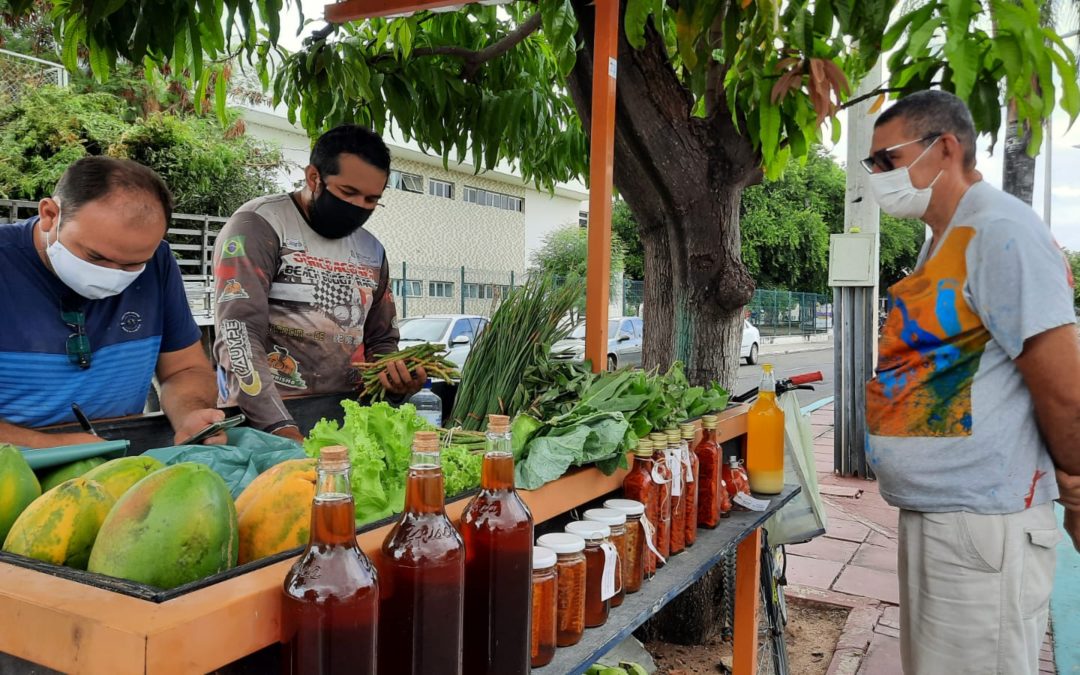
(881, 159)
(78, 344)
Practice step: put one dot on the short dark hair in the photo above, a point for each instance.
(935, 111)
(354, 140)
(92, 178)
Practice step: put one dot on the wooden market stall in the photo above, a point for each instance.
(78, 622)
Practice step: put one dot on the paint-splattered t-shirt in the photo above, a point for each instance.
(952, 424)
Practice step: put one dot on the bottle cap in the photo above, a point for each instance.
(334, 457)
(688, 432)
(562, 543)
(673, 436)
(498, 424)
(628, 506)
(543, 558)
(659, 439)
(709, 421)
(426, 441)
(606, 516)
(644, 448)
(766, 367)
(588, 530)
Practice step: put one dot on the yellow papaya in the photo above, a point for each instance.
(119, 475)
(60, 526)
(274, 511)
(18, 487)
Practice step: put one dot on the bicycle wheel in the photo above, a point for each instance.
(772, 649)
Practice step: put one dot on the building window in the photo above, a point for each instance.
(485, 291)
(411, 289)
(496, 199)
(583, 218)
(440, 188)
(441, 289)
(407, 182)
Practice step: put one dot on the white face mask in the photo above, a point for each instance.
(895, 193)
(91, 281)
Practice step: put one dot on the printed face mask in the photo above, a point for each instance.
(895, 193)
(91, 281)
(333, 217)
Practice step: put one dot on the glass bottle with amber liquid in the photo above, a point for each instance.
(497, 528)
(765, 438)
(330, 601)
(422, 576)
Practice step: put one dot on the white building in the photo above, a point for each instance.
(457, 238)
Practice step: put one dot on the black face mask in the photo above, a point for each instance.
(334, 218)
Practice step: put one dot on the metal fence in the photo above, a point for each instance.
(790, 313)
(19, 72)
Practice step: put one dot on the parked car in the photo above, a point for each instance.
(624, 344)
(751, 339)
(457, 332)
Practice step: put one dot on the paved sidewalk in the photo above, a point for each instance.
(793, 344)
(854, 565)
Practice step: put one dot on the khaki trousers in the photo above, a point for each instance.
(975, 591)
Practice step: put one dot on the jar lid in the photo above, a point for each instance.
(562, 543)
(543, 558)
(628, 506)
(709, 421)
(606, 516)
(644, 448)
(588, 529)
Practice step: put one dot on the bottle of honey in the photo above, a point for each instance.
(330, 600)
(765, 438)
(497, 528)
(422, 576)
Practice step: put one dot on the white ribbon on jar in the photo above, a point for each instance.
(650, 537)
(607, 579)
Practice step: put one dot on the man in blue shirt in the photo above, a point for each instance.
(94, 306)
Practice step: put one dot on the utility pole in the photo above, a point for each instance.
(854, 270)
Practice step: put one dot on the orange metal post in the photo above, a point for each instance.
(747, 601)
(601, 158)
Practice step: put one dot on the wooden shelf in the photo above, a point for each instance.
(675, 577)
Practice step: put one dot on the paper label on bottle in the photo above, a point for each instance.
(658, 476)
(687, 464)
(676, 473)
(746, 501)
(650, 538)
(607, 581)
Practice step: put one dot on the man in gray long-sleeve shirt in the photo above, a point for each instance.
(303, 290)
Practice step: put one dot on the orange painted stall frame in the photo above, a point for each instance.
(77, 628)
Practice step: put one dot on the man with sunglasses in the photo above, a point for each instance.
(94, 307)
(303, 289)
(975, 407)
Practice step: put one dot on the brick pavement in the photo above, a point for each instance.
(854, 565)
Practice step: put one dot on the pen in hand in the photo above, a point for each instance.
(84, 421)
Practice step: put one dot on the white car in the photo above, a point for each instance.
(457, 332)
(751, 339)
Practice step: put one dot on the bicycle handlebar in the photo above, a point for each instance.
(807, 378)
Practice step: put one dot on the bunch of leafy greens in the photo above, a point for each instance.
(379, 440)
(583, 418)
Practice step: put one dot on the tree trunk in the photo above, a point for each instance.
(1018, 177)
(682, 177)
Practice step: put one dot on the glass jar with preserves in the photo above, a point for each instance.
(570, 569)
(709, 475)
(691, 471)
(545, 587)
(678, 491)
(636, 549)
(736, 482)
(616, 520)
(662, 477)
(600, 563)
(639, 486)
